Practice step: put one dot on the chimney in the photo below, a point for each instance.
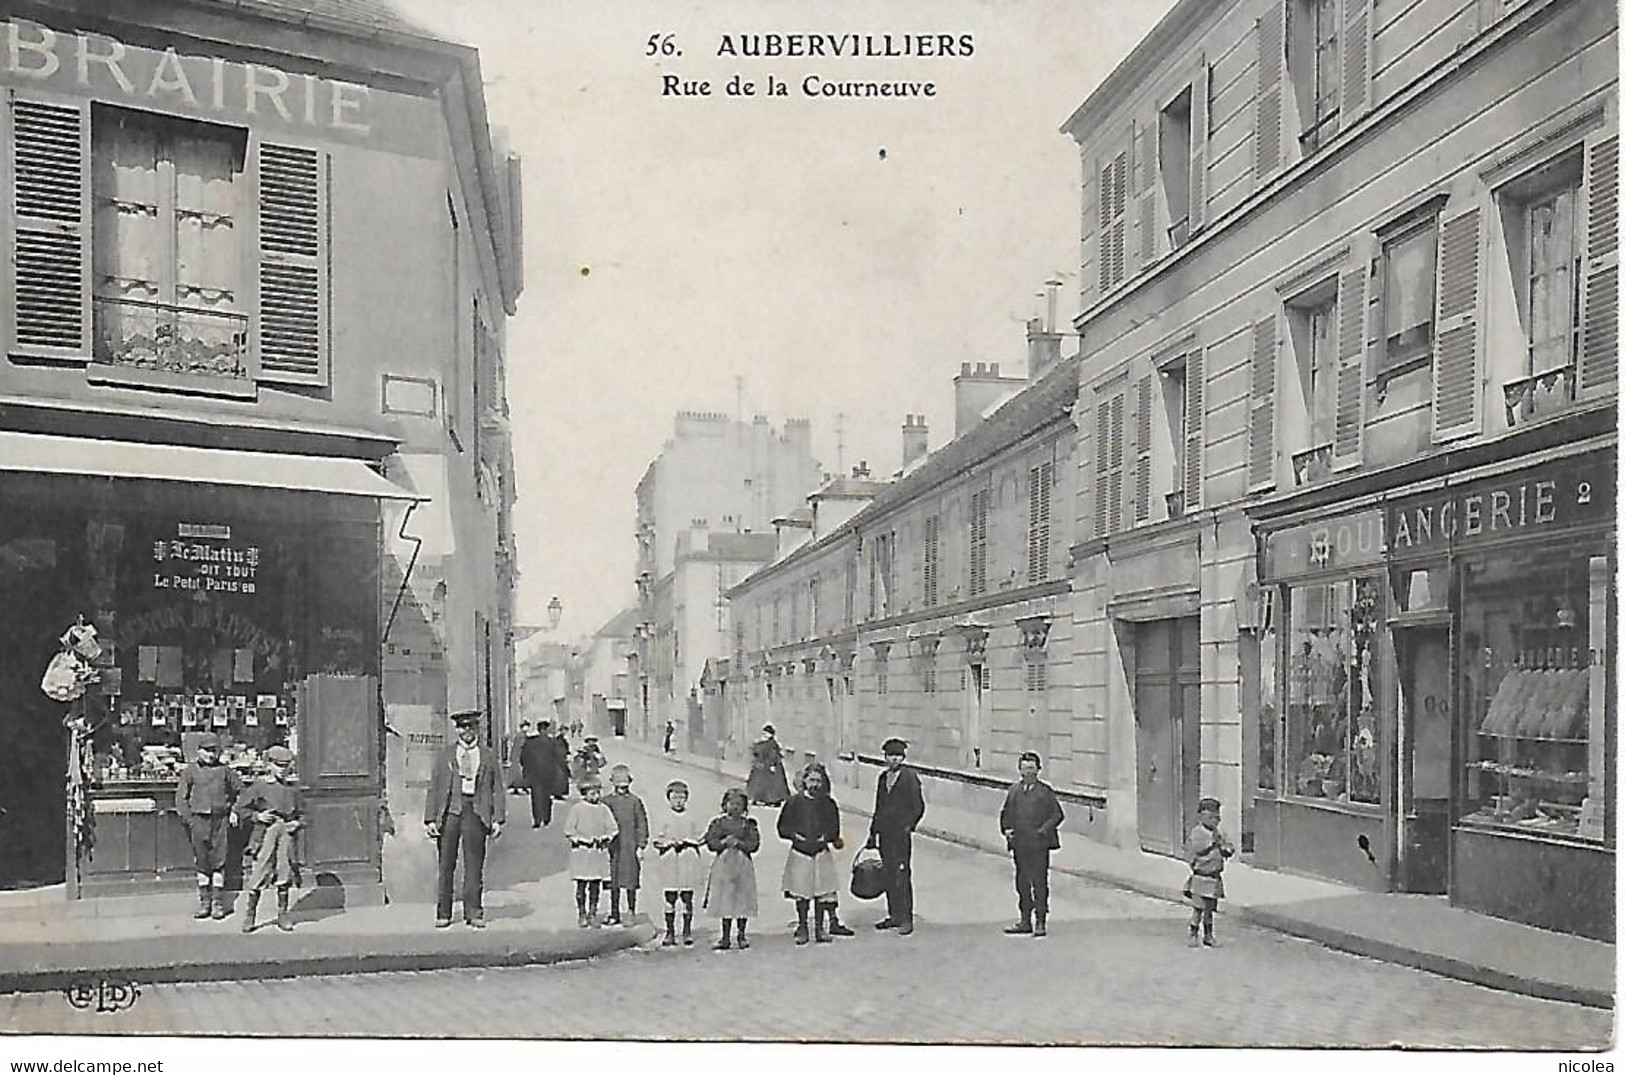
(977, 390)
(916, 438)
(1043, 341)
(861, 470)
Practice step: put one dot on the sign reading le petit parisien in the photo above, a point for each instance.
(201, 557)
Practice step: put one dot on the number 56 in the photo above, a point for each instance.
(661, 44)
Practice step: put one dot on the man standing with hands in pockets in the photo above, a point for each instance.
(465, 805)
(899, 806)
(1031, 822)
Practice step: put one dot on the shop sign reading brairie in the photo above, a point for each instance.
(201, 559)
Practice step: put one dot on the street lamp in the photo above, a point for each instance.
(555, 610)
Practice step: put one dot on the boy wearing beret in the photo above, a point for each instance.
(203, 798)
(1031, 823)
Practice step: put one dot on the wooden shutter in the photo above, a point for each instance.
(1356, 46)
(1195, 401)
(1113, 205)
(50, 252)
(1457, 398)
(1132, 261)
(1039, 480)
(1349, 425)
(292, 328)
(1599, 324)
(1141, 494)
(1091, 230)
(1147, 210)
(1199, 132)
(1114, 500)
(1103, 436)
(1261, 418)
(1267, 131)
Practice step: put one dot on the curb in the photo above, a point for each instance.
(520, 954)
(1341, 940)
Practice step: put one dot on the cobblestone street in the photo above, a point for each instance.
(1115, 970)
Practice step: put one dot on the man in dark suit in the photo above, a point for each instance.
(899, 806)
(465, 805)
(1031, 823)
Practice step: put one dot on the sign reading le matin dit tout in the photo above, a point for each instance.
(810, 65)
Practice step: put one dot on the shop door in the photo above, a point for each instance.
(1168, 731)
(1425, 731)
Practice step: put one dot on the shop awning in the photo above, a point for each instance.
(41, 453)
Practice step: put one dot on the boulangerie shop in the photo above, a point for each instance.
(250, 612)
(1436, 707)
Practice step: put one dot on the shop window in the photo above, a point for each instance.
(1315, 65)
(1269, 704)
(1333, 726)
(1174, 155)
(167, 290)
(1408, 264)
(1540, 218)
(1533, 713)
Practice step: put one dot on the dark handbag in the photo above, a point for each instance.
(868, 876)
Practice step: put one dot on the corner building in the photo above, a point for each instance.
(258, 261)
(1347, 409)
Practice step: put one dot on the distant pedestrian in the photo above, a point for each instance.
(516, 768)
(204, 794)
(463, 808)
(589, 760)
(671, 732)
(1206, 850)
(767, 784)
(679, 834)
(730, 892)
(589, 829)
(1031, 823)
(535, 757)
(811, 821)
(274, 804)
(899, 806)
(559, 764)
(632, 836)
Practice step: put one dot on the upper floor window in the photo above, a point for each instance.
(1040, 480)
(1113, 221)
(1174, 157)
(1544, 248)
(1409, 262)
(1314, 50)
(812, 607)
(882, 579)
(1174, 401)
(979, 503)
(1312, 321)
(933, 528)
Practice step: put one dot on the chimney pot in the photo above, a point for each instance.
(964, 369)
(993, 369)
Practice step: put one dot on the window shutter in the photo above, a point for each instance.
(1195, 400)
(1457, 398)
(1599, 326)
(292, 328)
(1356, 45)
(1349, 425)
(1103, 436)
(1114, 502)
(1141, 496)
(1261, 421)
(1148, 195)
(1132, 260)
(1113, 202)
(1199, 132)
(50, 254)
(1267, 132)
(1091, 230)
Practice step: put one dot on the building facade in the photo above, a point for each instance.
(217, 343)
(1349, 317)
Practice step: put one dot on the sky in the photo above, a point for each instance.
(676, 244)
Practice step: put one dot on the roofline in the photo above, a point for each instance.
(1128, 75)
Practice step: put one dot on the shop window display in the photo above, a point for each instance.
(1269, 705)
(1333, 728)
(1527, 659)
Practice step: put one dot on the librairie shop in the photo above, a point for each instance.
(111, 69)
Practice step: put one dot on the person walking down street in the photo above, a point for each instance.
(730, 891)
(589, 760)
(899, 806)
(671, 732)
(465, 807)
(535, 765)
(767, 784)
(516, 768)
(559, 765)
(811, 821)
(274, 804)
(1206, 850)
(204, 794)
(589, 829)
(632, 836)
(679, 834)
(1031, 823)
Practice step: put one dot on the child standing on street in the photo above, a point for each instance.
(730, 893)
(632, 835)
(1206, 850)
(273, 803)
(590, 829)
(203, 798)
(678, 836)
(811, 821)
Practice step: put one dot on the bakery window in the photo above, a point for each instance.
(1333, 730)
(1532, 708)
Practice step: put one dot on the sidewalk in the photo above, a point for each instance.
(1424, 932)
(530, 922)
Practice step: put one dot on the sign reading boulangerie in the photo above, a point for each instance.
(1570, 492)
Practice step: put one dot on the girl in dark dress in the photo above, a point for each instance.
(730, 893)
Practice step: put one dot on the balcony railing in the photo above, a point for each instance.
(1311, 465)
(140, 335)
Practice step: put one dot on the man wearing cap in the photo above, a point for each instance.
(899, 806)
(1031, 823)
(465, 805)
(204, 794)
(273, 804)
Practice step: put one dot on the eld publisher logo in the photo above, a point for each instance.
(102, 994)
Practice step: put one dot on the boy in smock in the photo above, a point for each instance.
(1206, 850)
(631, 837)
(679, 866)
(589, 830)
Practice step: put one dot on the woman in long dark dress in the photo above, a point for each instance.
(767, 783)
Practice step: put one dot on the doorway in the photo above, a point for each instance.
(1168, 730)
(1425, 733)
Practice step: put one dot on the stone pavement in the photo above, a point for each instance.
(1418, 931)
(1115, 969)
(529, 908)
